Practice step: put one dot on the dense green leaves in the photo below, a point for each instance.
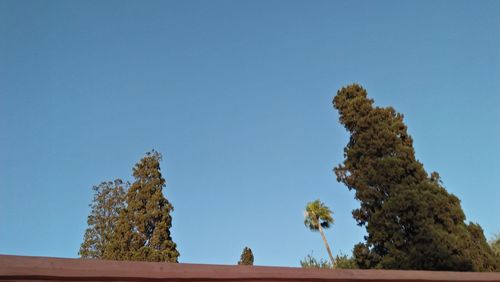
(131, 223)
(342, 261)
(411, 220)
(143, 228)
(246, 257)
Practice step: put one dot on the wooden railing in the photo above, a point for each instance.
(15, 268)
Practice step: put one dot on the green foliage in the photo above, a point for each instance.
(411, 220)
(480, 251)
(246, 257)
(143, 229)
(108, 202)
(317, 217)
(316, 214)
(495, 244)
(311, 262)
(341, 261)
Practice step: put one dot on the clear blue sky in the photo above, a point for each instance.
(237, 97)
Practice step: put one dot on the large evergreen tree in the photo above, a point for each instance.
(143, 229)
(108, 202)
(411, 220)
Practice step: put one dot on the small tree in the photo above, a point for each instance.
(108, 202)
(317, 217)
(246, 257)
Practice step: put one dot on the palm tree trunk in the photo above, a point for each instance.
(327, 247)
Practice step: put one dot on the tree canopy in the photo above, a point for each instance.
(108, 202)
(143, 229)
(316, 214)
(411, 220)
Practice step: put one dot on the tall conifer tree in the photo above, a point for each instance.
(411, 220)
(143, 229)
(246, 257)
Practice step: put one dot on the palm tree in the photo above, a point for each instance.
(319, 216)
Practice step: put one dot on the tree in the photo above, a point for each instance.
(411, 220)
(108, 201)
(143, 229)
(317, 217)
(246, 257)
